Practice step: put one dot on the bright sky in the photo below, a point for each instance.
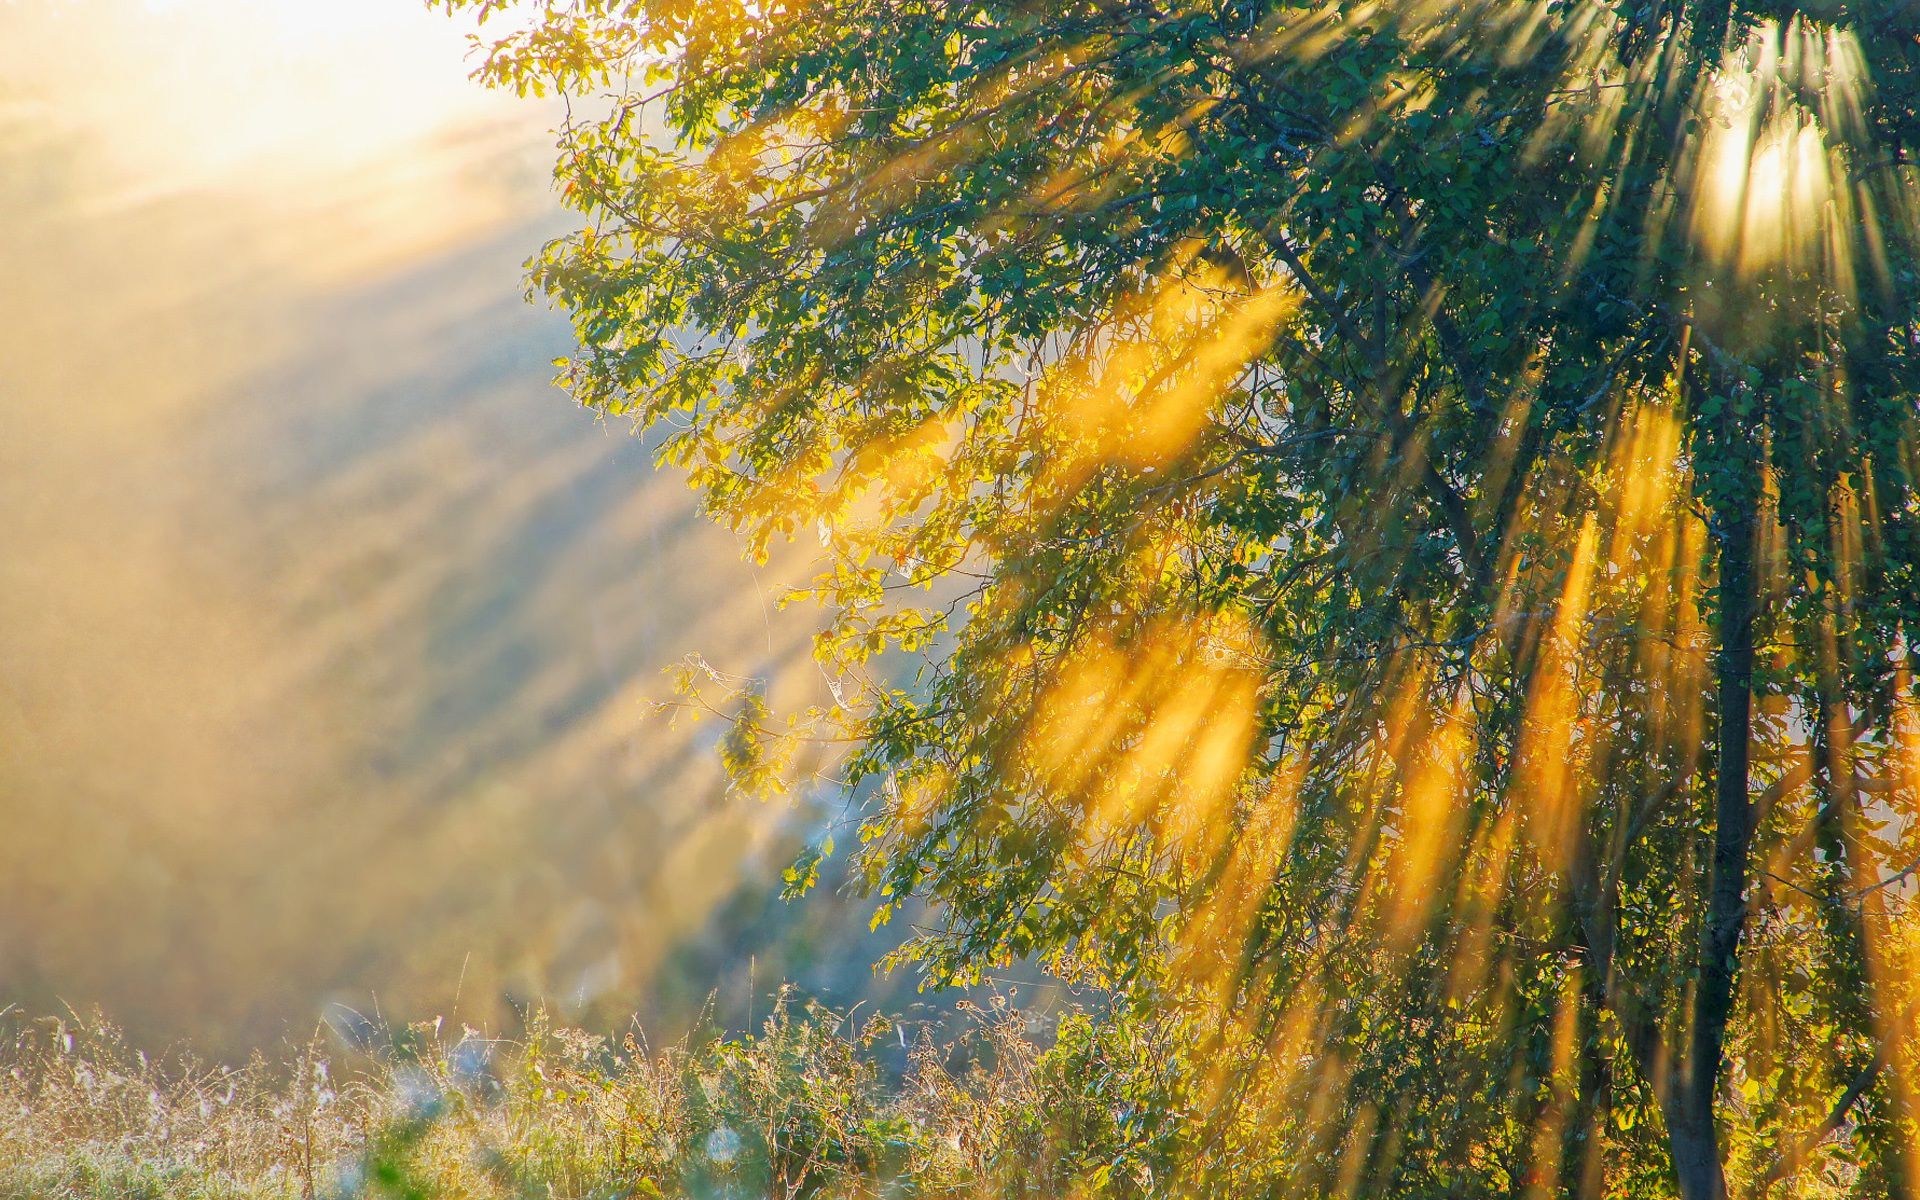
(187, 93)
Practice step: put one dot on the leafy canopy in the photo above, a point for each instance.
(1398, 517)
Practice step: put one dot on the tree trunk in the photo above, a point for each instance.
(1692, 1131)
(1696, 1160)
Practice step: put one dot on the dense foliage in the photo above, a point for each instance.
(1404, 516)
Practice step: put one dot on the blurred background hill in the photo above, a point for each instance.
(327, 626)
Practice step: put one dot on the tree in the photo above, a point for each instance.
(1404, 514)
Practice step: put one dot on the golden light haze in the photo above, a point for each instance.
(327, 625)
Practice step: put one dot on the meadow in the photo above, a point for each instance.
(815, 1103)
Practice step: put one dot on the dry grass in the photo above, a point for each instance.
(84, 1114)
(802, 1108)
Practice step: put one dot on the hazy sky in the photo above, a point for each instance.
(326, 624)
